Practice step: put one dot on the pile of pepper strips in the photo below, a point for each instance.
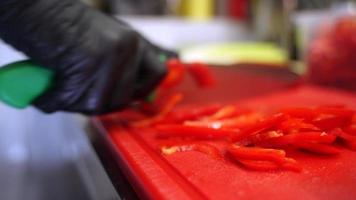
(255, 140)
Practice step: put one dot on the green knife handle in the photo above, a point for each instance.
(22, 82)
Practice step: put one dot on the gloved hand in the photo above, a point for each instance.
(101, 64)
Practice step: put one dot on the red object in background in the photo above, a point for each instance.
(192, 175)
(238, 9)
(332, 58)
(345, 32)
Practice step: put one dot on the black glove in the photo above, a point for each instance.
(101, 64)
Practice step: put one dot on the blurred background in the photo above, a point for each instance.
(55, 156)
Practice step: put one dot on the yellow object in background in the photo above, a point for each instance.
(197, 9)
(262, 53)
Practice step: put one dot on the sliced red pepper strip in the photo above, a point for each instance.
(260, 126)
(204, 148)
(336, 111)
(192, 113)
(351, 145)
(236, 122)
(259, 165)
(176, 71)
(332, 117)
(323, 149)
(292, 165)
(170, 104)
(348, 139)
(303, 113)
(295, 125)
(342, 134)
(289, 164)
(264, 138)
(201, 74)
(176, 130)
(256, 153)
(318, 137)
(263, 158)
(328, 122)
(224, 112)
(351, 129)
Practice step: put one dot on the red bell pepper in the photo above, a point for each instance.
(176, 130)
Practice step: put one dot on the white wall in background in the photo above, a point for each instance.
(177, 33)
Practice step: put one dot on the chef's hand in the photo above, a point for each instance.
(101, 64)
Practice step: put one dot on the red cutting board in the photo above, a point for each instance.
(193, 175)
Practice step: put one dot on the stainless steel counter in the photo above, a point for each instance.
(48, 157)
